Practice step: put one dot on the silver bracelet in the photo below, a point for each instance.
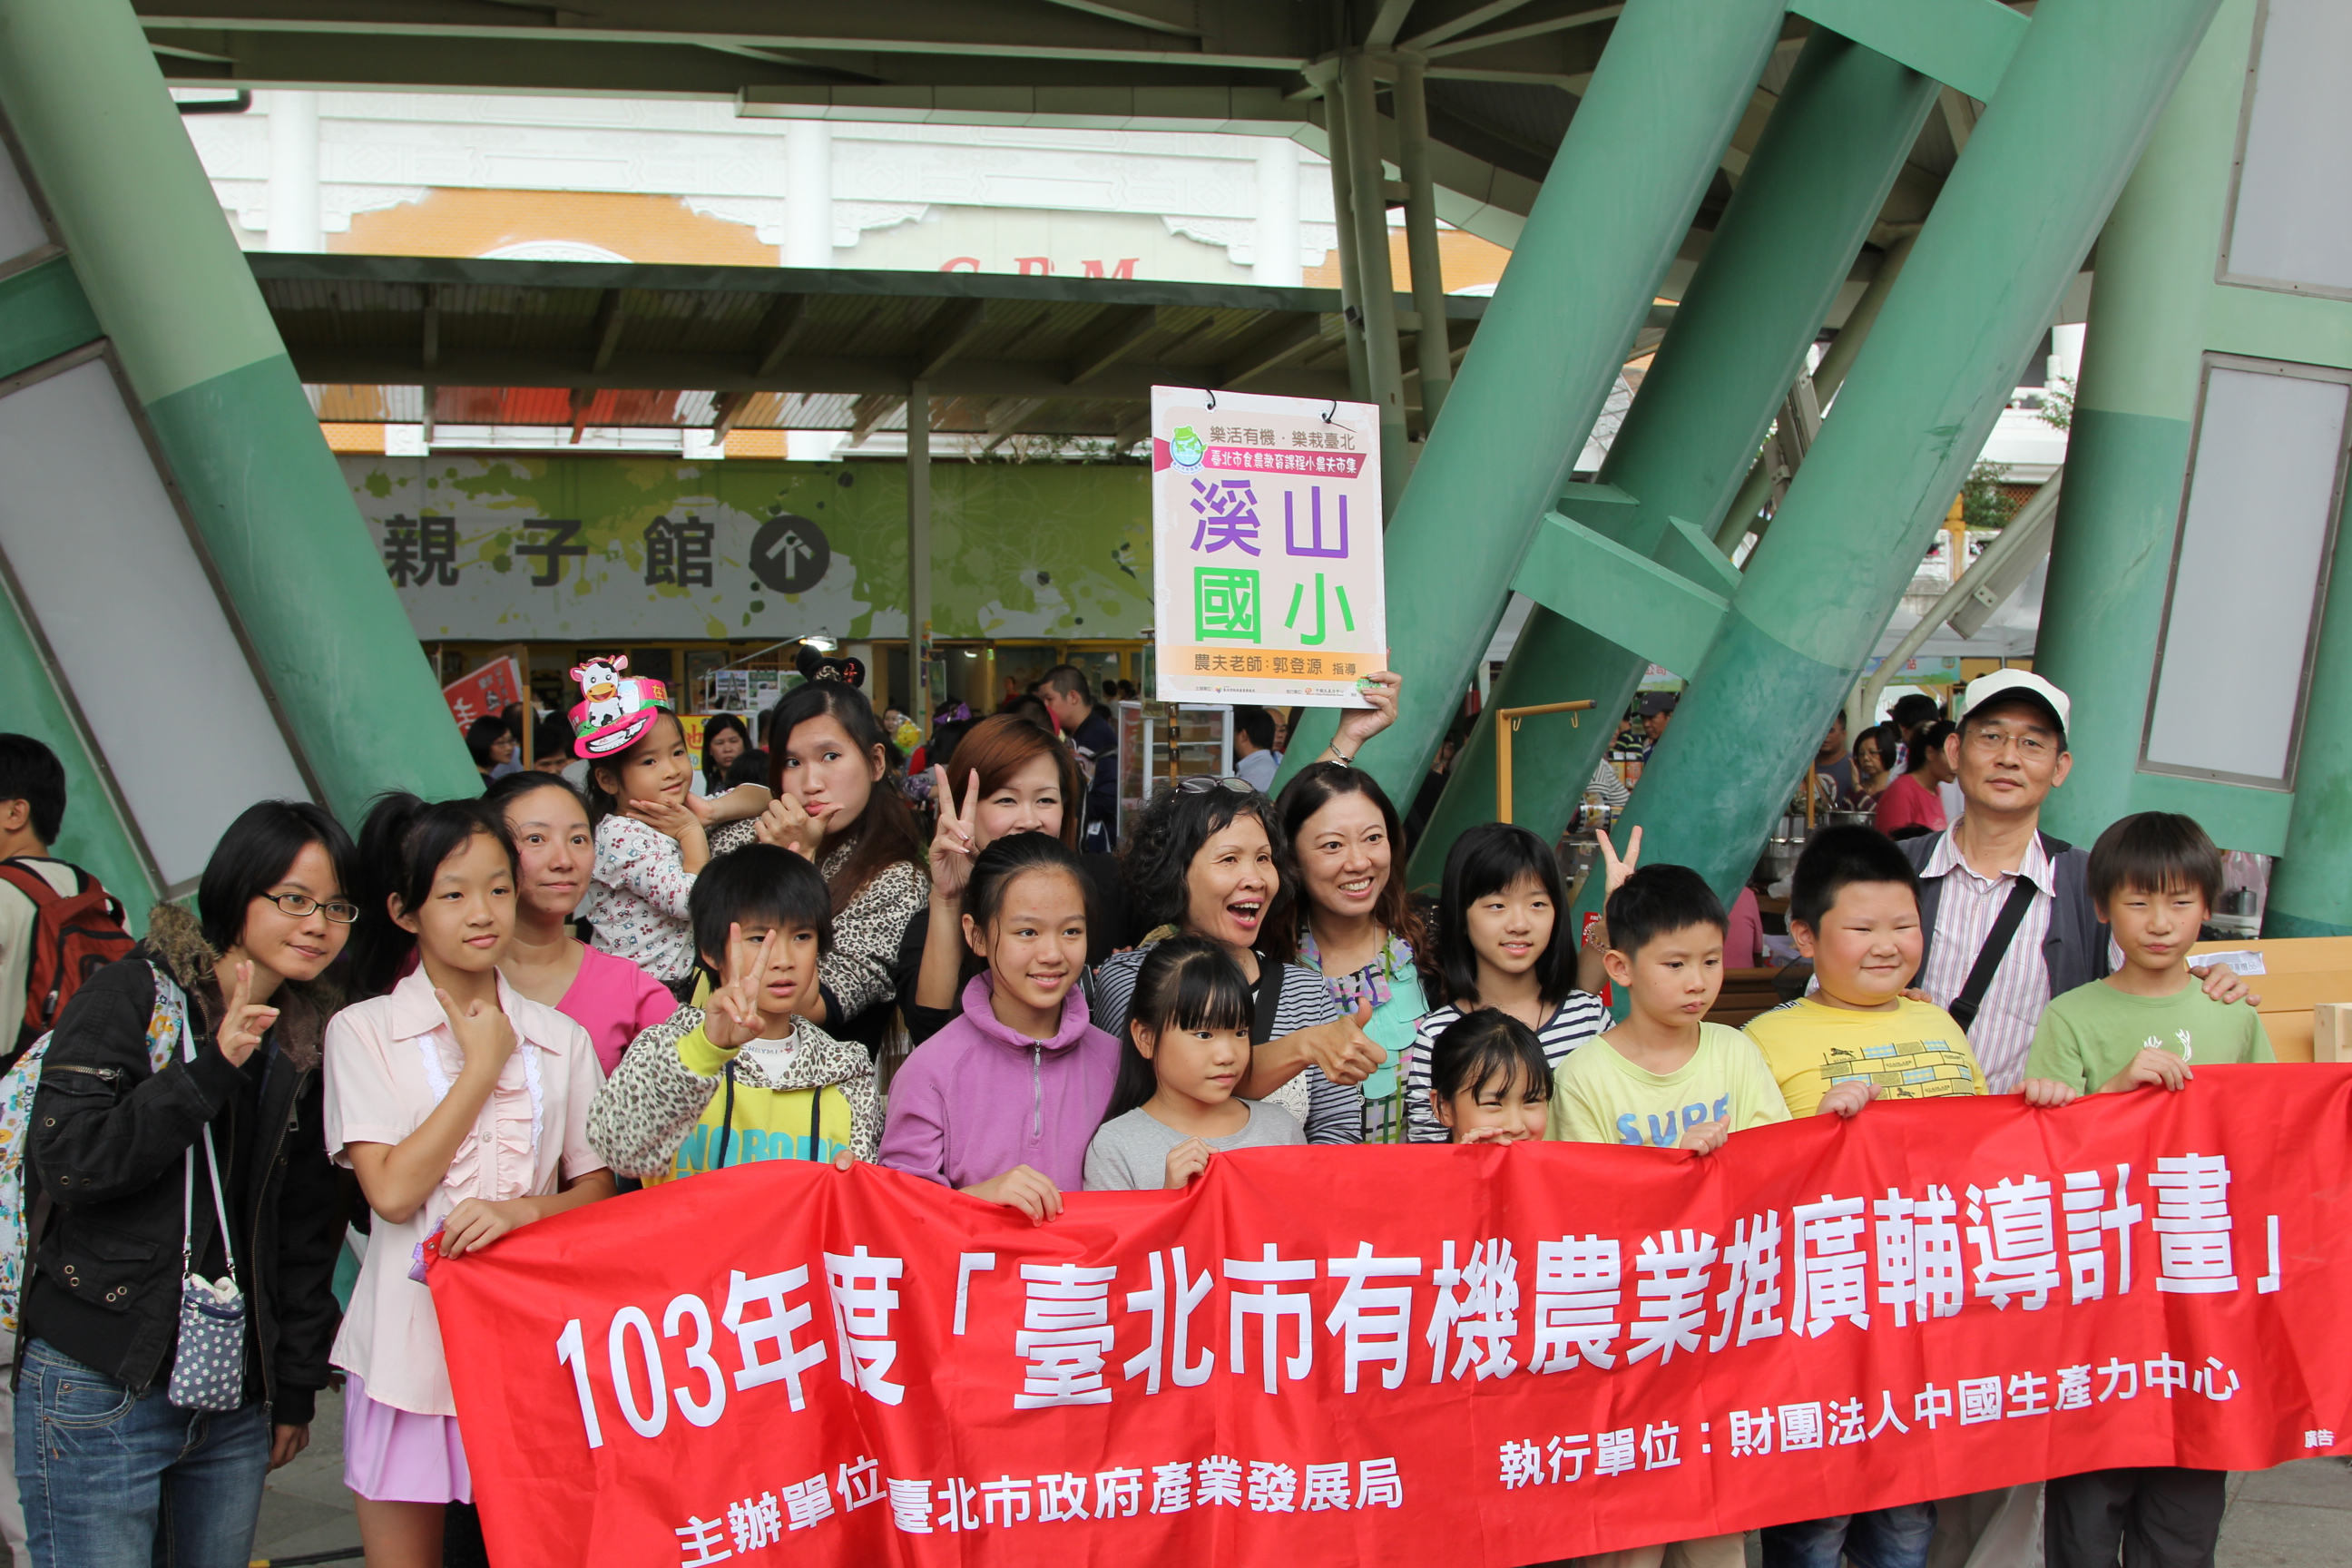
(1345, 762)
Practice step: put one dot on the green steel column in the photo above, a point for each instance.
(1984, 280)
(1830, 153)
(1375, 279)
(2311, 887)
(94, 837)
(169, 285)
(1637, 158)
(2127, 448)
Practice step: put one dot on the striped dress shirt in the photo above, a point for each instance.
(2002, 1031)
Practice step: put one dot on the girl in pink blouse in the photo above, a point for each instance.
(612, 998)
(462, 1107)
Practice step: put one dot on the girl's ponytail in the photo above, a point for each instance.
(402, 844)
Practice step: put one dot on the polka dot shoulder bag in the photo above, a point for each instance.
(208, 1368)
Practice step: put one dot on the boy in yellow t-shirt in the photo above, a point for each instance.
(1854, 910)
(1663, 1077)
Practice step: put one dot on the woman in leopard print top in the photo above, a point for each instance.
(829, 762)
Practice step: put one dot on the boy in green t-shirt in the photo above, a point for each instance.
(2154, 876)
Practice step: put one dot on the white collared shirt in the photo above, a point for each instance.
(2002, 1031)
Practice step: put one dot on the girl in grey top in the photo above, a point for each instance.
(1187, 1047)
(1205, 860)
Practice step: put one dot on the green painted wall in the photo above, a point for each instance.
(1020, 550)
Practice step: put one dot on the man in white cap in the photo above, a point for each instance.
(2005, 910)
(2008, 923)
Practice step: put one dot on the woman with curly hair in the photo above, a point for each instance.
(1205, 861)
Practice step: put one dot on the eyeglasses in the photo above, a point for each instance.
(302, 905)
(1991, 743)
(1201, 784)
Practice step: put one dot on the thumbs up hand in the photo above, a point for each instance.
(1341, 1048)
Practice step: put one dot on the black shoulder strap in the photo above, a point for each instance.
(1094, 1000)
(1269, 1002)
(1963, 1008)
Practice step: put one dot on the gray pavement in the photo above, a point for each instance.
(2296, 1516)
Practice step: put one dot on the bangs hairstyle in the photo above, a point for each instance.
(1170, 830)
(995, 868)
(760, 882)
(1488, 859)
(886, 829)
(603, 803)
(1186, 982)
(2154, 852)
(402, 842)
(1317, 787)
(1657, 899)
(1488, 1048)
(1834, 860)
(254, 857)
(1001, 745)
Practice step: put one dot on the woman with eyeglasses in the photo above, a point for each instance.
(1204, 859)
(177, 1130)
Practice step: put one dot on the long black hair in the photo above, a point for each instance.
(1186, 982)
(886, 829)
(1488, 859)
(402, 845)
(714, 777)
(255, 854)
(1158, 862)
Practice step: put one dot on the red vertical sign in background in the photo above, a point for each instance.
(489, 690)
(1395, 1354)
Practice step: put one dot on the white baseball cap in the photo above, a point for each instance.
(2006, 684)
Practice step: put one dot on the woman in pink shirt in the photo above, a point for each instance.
(612, 998)
(462, 1107)
(1912, 802)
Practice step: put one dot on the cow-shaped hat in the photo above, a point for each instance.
(615, 711)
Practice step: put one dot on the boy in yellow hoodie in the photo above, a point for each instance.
(744, 1077)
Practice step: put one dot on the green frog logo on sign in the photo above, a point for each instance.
(1186, 447)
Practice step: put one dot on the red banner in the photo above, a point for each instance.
(1400, 1354)
(487, 692)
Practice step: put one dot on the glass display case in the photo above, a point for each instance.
(1160, 742)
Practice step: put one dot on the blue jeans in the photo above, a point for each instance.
(1880, 1537)
(111, 1479)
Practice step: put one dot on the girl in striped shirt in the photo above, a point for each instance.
(1504, 942)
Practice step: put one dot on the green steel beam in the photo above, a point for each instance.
(1621, 594)
(168, 284)
(1622, 189)
(1965, 43)
(95, 836)
(1984, 280)
(1818, 180)
(43, 314)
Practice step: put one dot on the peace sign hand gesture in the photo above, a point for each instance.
(244, 1023)
(955, 841)
(1614, 869)
(732, 1015)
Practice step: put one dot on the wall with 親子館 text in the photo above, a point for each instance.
(516, 548)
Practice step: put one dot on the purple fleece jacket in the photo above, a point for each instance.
(976, 1099)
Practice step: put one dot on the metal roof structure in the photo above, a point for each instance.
(540, 342)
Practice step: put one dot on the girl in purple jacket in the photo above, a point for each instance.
(1000, 1103)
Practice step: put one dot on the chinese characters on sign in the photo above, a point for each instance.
(1504, 1352)
(488, 691)
(1266, 537)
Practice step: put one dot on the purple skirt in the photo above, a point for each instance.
(398, 1455)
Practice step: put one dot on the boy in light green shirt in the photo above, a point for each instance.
(2155, 877)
